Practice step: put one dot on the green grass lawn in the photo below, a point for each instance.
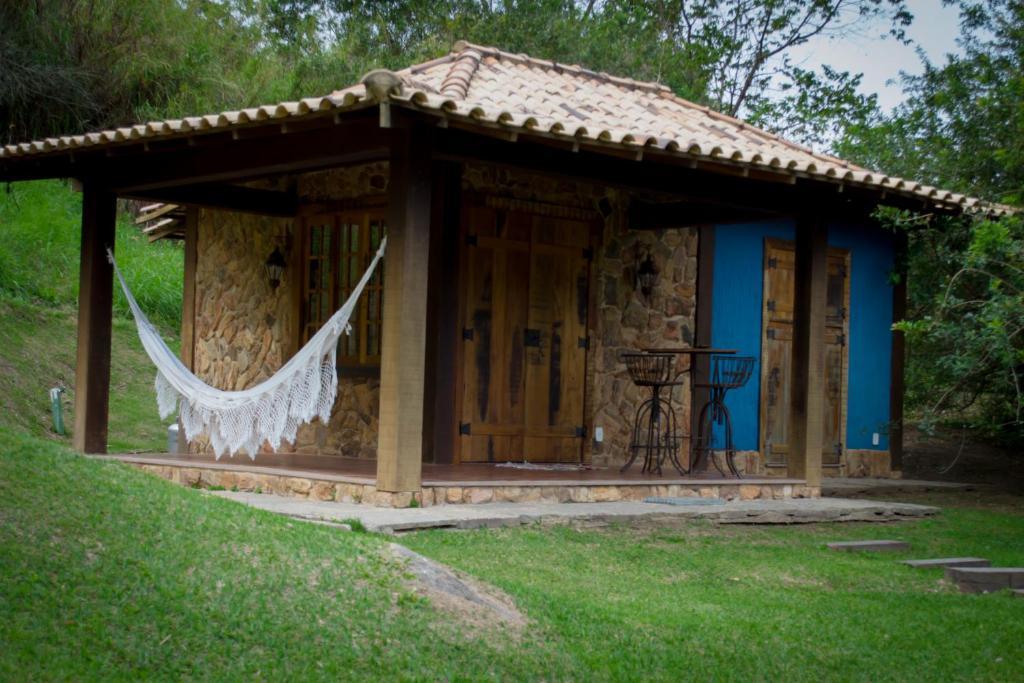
(37, 351)
(698, 601)
(39, 239)
(108, 572)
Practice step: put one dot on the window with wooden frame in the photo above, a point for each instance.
(338, 247)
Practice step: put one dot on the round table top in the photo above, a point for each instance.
(691, 350)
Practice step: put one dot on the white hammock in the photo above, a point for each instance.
(303, 389)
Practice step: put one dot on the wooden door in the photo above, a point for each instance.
(776, 347)
(525, 280)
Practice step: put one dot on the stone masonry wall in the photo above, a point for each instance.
(628, 320)
(245, 330)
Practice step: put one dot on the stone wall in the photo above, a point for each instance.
(245, 330)
(342, 490)
(628, 320)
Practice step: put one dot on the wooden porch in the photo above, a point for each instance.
(355, 480)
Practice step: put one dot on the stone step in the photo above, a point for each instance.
(871, 546)
(948, 562)
(986, 579)
(1019, 592)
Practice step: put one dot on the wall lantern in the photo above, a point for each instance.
(275, 268)
(647, 275)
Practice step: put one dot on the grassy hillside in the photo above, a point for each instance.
(111, 574)
(39, 238)
(37, 352)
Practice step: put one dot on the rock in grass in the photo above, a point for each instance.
(869, 546)
(948, 562)
(472, 601)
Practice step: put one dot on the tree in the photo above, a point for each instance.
(962, 127)
(729, 54)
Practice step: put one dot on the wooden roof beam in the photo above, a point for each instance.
(226, 197)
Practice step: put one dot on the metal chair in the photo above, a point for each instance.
(727, 372)
(655, 428)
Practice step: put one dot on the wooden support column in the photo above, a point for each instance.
(807, 397)
(400, 435)
(899, 348)
(188, 303)
(95, 290)
(439, 419)
(702, 334)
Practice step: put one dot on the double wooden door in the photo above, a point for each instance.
(776, 348)
(525, 282)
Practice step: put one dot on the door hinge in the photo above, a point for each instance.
(841, 339)
(467, 333)
(770, 333)
(531, 337)
(471, 240)
(464, 428)
(842, 271)
(770, 305)
(842, 312)
(584, 342)
(580, 432)
(773, 262)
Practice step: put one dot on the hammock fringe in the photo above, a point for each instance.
(271, 412)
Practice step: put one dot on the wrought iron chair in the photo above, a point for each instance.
(727, 372)
(655, 428)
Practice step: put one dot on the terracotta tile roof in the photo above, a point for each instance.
(486, 87)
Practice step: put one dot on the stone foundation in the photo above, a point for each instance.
(336, 488)
(856, 464)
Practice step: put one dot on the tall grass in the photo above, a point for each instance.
(39, 254)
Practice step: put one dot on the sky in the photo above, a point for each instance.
(934, 30)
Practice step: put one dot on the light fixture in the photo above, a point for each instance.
(647, 275)
(275, 267)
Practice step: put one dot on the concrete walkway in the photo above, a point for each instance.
(392, 520)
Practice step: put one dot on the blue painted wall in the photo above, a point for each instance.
(736, 322)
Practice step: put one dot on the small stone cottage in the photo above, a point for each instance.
(521, 199)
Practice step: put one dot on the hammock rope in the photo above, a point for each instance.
(271, 412)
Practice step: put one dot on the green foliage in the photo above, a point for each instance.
(355, 524)
(78, 64)
(966, 332)
(40, 223)
(962, 127)
(962, 123)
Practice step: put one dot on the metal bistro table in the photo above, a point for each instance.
(655, 431)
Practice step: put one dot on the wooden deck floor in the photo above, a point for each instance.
(336, 468)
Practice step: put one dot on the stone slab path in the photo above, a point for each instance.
(986, 579)
(392, 520)
(869, 546)
(848, 486)
(948, 562)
